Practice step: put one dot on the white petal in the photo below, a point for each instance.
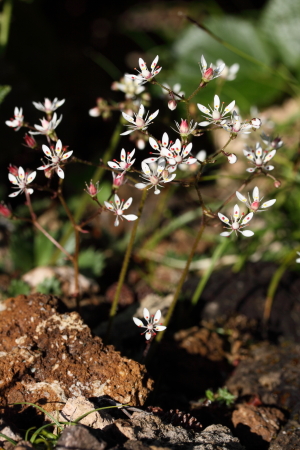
(270, 156)
(117, 200)
(153, 116)
(191, 161)
(21, 173)
(165, 140)
(126, 132)
(146, 314)
(154, 62)
(236, 212)
(268, 203)
(230, 107)
(203, 109)
(145, 168)
(148, 336)
(12, 178)
(203, 63)
(31, 177)
(141, 111)
(140, 185)
(223, 218)
(204, 124)
(123, 155)
(128, 118)
(130, 217)
(251, 170)
(129, 157)
(255, 194)
(47, 150)
(247, 218)
(232, 159)
(216, 102)
(201, 156)
(60, 172)
(113, 165)
(14, 194)
(153, 143)
(187, 149)
(247, 233)
(157, 316)
(109, 206)
(58, 146)
(44, 167)
(241, 197)
(160, 328)
(67, 155)
(127, 204)
(138, 322)
(116, 221)
(269, 167)
(226, 233)
(169, 178)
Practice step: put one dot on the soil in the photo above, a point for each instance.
(49, 356)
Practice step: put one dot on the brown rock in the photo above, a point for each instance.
(262, 421)
(49, 357)
(79, 438)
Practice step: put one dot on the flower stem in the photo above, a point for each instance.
(182, 278)
(123, 272)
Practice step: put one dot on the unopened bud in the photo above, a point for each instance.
(184, 127)
(4, 211)
(172, 104)
(118, 180)
(208, 75)
(232, 159)
(13, 170)
(30, 141)
(254, 206)
(277, 143)
(277, 184)
(256, 123)
(92, 189)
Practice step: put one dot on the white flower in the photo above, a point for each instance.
(17, 122)
(237, 222)
(151, 326)
(145, 74)
(47, 127)
(118, 207)
(162, 149)
(298, 259)
(139, 123)
(48, 107)
(270, 142)
(217, 114)
(154, 177)
(129, 86)
(228, 73)
(181, 155)
(259, 158)
(125, 162)
(255, 204)
(57, 157)
(21, 180)
(232, 158)
(184, 129)
(235, 126)
(210, 73)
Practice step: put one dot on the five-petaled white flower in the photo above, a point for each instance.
(139, 123)
(270, 142)
(228, 73)
(129, 86)
(162, 149)
(255, 204)
(48, 107)
(17, 122)
(152, 321)
(145, 74)
(235, 126)
(180, 155)
(125, 162)
(154, 177)
(21, 180)
(118, 207)
(217, 114)
(237, 222)
(57, 157)
(210, 73)
(47, 126)
(259, 158)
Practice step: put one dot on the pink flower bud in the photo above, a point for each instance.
(92, 189)
(139, 121)
(172, 104)
(13, 169)
(208, 75)
(184, 127)
(4, 211)
(277, 184)
(254, 206)
(118, 180)
(30, 141)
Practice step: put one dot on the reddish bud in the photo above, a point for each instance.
(184, 127)
(30, 141)
(118, 180)
(277, 184)
(92, 189)
(208, 75)
(254, 206)
(4, 211)
(13, 170)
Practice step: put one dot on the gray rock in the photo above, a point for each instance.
(79, 438)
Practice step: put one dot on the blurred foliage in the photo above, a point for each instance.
(49, 286)
(91, 261)
(17, 287)
(4, 90)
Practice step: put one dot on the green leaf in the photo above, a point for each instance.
(4, 90)
(92, 260)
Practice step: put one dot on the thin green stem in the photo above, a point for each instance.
(182, 278)
(126, 259)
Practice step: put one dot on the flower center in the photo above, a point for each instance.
(235, 226)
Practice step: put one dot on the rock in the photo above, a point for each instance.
(23, 445)
(76, 407)
(257, 425)
(9, 432)
(49, 357)
(289, 436)
(151, 430)
(79, 438)
(271, 373)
